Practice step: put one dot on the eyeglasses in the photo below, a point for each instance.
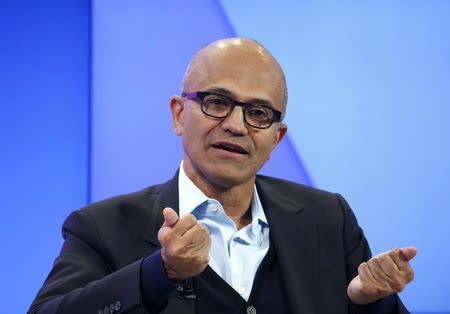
(219, 106)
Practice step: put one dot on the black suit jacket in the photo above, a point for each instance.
(315, 234)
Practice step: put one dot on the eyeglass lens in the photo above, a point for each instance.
(220, 106)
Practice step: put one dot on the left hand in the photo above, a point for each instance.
(382, 275)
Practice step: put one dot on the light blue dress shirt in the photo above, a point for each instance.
(235, 255)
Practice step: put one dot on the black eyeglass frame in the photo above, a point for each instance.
(277, 115)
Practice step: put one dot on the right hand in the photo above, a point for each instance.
(185, 245)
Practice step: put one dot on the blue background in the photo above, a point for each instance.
(85, 115)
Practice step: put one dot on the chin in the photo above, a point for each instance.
(229, 179)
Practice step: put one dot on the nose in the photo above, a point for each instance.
(234, 122)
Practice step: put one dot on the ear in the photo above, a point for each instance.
(176, 106)
(280, 133)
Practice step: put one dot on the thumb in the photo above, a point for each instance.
(408, 253)
(170, 217)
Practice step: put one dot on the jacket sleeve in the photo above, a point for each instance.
(84, 280)
(357, 250)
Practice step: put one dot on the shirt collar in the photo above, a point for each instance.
(257, 209)
(190, 197)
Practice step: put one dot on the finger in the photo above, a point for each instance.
(408, 253)
(184, 223)
(198, 234)
(399, 259)
(364, 274)
(376, 271)
(170, 217)
(387, 265)
(202, 244)
(204, 228)
(206, 243)
(364, 288)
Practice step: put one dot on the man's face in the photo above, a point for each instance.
(228, 152)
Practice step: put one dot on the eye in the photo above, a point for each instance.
(259, 113)
(215, 103)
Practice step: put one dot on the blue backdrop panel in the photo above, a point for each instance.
(140, 52)
(44, 61)
(368, 113)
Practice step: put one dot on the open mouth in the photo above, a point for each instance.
(230, 148)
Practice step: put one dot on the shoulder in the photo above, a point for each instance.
(292, 190)
(125, 204)
(141, 198)
(326, 207)
(116, 213)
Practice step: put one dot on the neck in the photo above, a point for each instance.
(235, 199)
(236, 203)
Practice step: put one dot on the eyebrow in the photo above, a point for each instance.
(228, 93)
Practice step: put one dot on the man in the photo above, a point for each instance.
(217, 238)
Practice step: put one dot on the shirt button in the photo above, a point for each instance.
(251, 310)
(213, 208)
(241, 290)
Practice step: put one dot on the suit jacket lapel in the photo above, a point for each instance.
(167, 197)
(294, 236)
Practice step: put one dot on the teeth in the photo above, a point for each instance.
(232, 149)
